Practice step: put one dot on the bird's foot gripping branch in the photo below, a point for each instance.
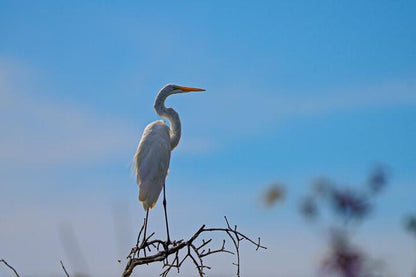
(173, 254)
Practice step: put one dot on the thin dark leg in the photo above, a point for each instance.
(145, 225)
(166, 214)
(145, 229)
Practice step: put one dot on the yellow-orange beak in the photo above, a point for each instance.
(187, 89)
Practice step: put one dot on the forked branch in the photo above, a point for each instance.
(183, 250)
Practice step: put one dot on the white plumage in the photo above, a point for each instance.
(153, 153)
(152, 162)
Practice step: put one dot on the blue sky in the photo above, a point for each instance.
(295, 90)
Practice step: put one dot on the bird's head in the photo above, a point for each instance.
(172, 89)
(167, 90)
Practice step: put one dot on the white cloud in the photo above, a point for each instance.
(381, 95)
(40, 131)
(36, 131)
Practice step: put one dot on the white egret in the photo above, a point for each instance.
(153, 153)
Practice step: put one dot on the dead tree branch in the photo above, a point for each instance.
(63, 267)
(9, 266)
(195, 251)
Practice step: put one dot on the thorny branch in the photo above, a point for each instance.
(193, 250)
(9, 266)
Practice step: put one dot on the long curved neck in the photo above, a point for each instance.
(171, 115)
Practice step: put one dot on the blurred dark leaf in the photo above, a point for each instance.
(378, 179)
(350, 204)
(308, 208)
(410, 224)
(275, 193)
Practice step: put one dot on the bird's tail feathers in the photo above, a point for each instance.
(148, 194)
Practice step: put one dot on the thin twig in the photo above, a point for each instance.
(63, 267)
(9, 266)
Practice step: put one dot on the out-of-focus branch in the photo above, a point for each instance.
(192, 250)
(9, 266)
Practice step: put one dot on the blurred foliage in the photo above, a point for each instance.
(348, 260)
(309, 208)
(377, 179)
(410, 224)
(350, 204)
(274, 193)
(347, 206)
(343, 257)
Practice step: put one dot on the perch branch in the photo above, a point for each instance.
(192, 250)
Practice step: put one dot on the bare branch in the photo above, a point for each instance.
(9, 266)
(194, 251)
(63, 267)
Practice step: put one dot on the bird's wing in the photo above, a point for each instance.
(152, 162)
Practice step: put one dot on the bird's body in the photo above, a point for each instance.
(152, 162)
(153, 153)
